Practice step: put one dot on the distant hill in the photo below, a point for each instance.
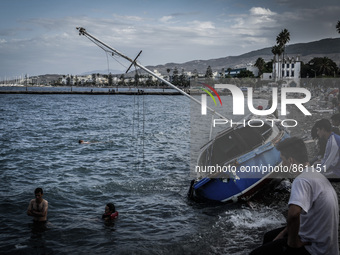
(324, 48)
(113, 71)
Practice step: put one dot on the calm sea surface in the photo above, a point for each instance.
(138, 159)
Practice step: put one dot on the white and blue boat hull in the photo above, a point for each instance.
(253, 170)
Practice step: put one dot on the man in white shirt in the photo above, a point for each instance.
(313, 212)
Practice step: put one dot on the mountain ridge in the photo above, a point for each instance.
(328, 47)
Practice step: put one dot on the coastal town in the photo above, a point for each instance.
(282, 65)
(289, 69)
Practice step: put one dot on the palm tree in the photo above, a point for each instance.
(338, 26)
(94, 81)
(282, 39)
(168, 71)
(175, 77)
(229, 70)
(110, 79)
(260, 63)
(209, 73)
(325, 66)
(277, 50)
(322, 66)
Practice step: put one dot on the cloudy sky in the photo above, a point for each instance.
(40, 36)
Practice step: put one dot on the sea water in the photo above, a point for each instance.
(138, 158)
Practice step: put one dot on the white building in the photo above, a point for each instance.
(288, 70)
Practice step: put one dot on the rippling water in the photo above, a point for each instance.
(138, 159)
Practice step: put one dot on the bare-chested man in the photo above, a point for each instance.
(37, 207)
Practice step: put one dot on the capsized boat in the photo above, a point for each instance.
(241, 160)
(238, 147)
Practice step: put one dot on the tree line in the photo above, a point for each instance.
(316, 67)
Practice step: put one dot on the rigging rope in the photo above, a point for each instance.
(139, 131)
(140, 134)
(106, 50)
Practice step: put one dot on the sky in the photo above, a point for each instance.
(40, 37)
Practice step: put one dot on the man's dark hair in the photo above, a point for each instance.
(111, 207)
(38, 190)
(324, 124)
(293, 147)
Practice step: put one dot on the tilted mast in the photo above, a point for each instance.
(82, 31)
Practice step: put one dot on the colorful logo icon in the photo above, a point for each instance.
(209, 93)
(204, 97)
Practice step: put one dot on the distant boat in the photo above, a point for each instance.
(236, 147)
(248, 154)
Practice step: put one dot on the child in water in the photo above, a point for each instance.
(110, 212)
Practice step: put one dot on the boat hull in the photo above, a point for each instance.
(253, 171)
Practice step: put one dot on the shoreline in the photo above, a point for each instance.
(140, 92)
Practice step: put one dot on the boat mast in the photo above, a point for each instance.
(82, 31)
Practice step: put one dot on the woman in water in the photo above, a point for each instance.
(110, 212)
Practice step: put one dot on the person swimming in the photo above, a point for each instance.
(83, 142)
(110, 212)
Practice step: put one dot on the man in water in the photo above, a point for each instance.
(38, 207)
(83, 142)
(313, 212)
(331, 158)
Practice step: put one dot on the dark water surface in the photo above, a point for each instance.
(139, 159)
